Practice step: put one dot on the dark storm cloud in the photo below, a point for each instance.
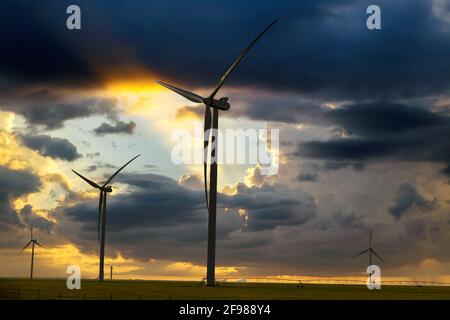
(119, 127)
(349, 220)
(166, 216)
(156, 195)
(14, 224)
(307, 177)
(14, 184)
(355, 118)
(409, 199)
(308, 172)
(93, 155)
(337, 165)
(381, 131)
(51, 110)
(101, 165)
(271, 206)
(34, 52)
(318, 47)
(48, 146)
(31, 219)
(383, 118)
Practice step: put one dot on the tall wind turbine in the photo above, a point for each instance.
(101, 224)
(371, 251)
(216, 105)
(33, 241)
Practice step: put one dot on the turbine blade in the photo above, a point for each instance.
(87, 180)
(117, 172)
(26, 245)
(241, 56)
(187, 94)
(370, 239)
(373, 251)
(206, 137)
(362, 252)
(31, 232)
(100, 207)
(40, 245)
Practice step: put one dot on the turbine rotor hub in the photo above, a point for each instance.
(221, 103)
(107, 189)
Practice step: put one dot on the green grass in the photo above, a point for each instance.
(135, 290)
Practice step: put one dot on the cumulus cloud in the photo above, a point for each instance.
(29, 218)
(119, 127)
(270, 206)
(14, 184)
(161, 218)
(48, 146)
(308, 172)
(408, 199)
(191, 181)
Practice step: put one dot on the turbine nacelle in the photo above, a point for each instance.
(370, 250)
(221, 104)
(106, 189)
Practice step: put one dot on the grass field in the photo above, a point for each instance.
(135, 290)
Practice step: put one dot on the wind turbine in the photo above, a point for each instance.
(216, 105)
(371, 251)
(32, 242)
(101, 224)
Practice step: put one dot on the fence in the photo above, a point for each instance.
(328, 281)
(99, 294)
(30, 294)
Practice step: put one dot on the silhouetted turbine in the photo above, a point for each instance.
(32, 242)
(101, 224)
(370, 251)
(221, 104)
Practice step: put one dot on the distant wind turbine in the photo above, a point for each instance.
(101, 224)
(215, 104)
(33, 241)
(370, 250)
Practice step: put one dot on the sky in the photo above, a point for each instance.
(363, 118)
